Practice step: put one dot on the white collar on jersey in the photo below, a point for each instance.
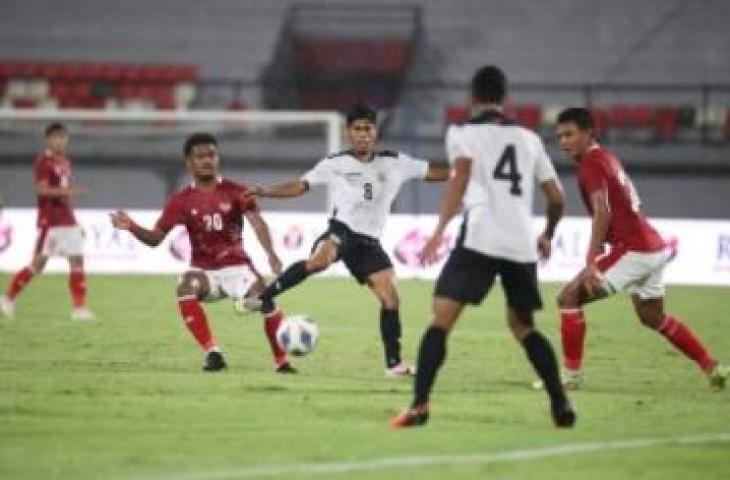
(218, 180)
(480, 108)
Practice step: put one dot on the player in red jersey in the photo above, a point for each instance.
(634, 261)
(58, 232)
(212, 211)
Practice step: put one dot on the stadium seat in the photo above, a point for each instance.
(602, 119)
(237, 105)
(667, 123)
(529, 116)
(24, 103)
(455, 114)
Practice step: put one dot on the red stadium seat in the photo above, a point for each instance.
(69, 71)
(236, 104)
(642, 116)
(601, 119)
(667, 123)
(456, 114)
(24, 103)
(529, 116)
(620, 116)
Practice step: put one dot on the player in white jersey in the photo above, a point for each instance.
(362, 185)
(495, 164)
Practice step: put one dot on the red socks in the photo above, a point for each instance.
(196, 321)
(271, 324)
(573, 332)
(19, 281)
(77, 287)
(682, 337)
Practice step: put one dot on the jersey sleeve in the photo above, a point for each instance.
(41, 171)
(172, 215)
(456, 146)
(544, 168)
(244, 198)
(590, 176)
(320, 174)
(412, 167)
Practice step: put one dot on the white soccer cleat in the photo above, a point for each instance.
(243, 306)
(82, 313)
(718, 377)
(248, 304)
(7, 307)
(571, 380)
(401, 370)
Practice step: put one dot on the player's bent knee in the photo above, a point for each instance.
(190, 285)
(568, 297)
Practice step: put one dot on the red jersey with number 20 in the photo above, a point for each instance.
(53, 211)
(214, 220)
(628, 228)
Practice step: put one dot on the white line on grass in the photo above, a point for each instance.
(307, 469)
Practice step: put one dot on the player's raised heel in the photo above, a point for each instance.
(401, 370)
(214, 362)
(412, 417)
(718, 377)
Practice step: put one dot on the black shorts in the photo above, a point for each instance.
(363, 255)
(468, 276)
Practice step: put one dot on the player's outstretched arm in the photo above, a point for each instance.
(263, 235)
(121, 220)
(437, 172)
(42, 188)
(554, 212)
(292, 188)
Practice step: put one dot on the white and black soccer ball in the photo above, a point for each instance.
(297, 334)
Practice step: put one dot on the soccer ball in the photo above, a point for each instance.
(297, 334)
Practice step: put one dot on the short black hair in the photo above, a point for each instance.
(55, 128)
(489, 84)
(580, 116)
(361, 111)
(198, 138)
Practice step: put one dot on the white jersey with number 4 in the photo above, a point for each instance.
(361, 192)
(506, 159)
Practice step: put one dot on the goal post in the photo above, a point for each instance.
(160, 122)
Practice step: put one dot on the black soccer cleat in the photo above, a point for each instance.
(214, 362)
(563, 415)
(285, 368)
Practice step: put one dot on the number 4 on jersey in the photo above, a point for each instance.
(506, 169)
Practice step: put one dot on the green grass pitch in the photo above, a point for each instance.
(124, 398)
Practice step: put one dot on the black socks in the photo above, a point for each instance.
(431, 356)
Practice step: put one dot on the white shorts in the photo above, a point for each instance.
(60, 241)
(232, 282)
(637, 273)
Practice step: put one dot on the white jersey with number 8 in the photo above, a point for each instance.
(361, 192)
